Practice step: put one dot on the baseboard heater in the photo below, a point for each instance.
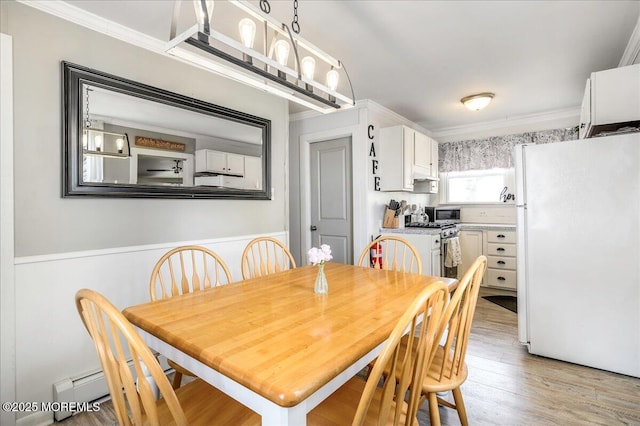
(87, 387)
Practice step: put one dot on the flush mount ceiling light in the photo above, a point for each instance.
(477, 102)
(271, 68)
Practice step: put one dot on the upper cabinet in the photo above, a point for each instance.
(223, 163)
(611, 101)
(408, 160)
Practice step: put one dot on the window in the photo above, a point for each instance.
(478, 186)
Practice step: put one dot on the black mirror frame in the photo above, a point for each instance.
(73, 76)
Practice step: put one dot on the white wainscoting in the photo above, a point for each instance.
(51, 342)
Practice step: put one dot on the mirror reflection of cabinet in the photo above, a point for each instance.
(223, 163)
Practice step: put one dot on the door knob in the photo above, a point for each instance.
(314, 228)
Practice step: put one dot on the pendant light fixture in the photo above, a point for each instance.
(477, 102)
(276, 67)
(100, 142)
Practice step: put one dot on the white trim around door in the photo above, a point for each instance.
(7, 274)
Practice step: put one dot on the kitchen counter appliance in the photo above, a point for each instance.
(448, 230)
(445, 214)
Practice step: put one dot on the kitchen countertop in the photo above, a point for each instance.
(427, 231)
(486, 226)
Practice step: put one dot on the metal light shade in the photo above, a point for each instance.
(477, 102)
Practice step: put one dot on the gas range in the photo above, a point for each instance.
(447, 228)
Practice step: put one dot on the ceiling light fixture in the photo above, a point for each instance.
(477, 102)
(269, 68)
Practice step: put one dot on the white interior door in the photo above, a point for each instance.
(331, 197)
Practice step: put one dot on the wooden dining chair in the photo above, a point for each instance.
(449, 370)
(265, 255)
(184, 270)
(134, 376)
(397, 254)
(381, 399)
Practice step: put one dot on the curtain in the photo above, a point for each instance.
(489, 153)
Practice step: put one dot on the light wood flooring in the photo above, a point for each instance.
(508, 386)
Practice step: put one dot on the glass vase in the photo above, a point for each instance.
(321, 286)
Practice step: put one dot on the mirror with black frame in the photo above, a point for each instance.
(127, 139)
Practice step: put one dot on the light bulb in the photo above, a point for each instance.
(308, 65)
(332, 79)
(98, 142)
(119, 145)
(282, 56)
(200, 15)
(247, 31)
(247, 35)
(282, 52)
(308, 68)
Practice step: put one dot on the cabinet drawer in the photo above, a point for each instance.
(500, 262)
(501, 278)
(501, 237)
(497, 249)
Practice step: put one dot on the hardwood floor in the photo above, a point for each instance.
(508, 386)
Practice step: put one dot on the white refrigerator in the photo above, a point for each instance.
(578, 251)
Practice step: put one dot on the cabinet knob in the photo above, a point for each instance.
(314, 228)
(502, 278)
(500, 249)
(501, 262)
(500, 235)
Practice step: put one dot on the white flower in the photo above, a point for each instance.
(319, 255)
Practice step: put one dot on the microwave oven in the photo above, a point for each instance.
(442, 214)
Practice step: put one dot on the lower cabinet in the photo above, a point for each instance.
(428, 248)
(471, 243)
(500, 248)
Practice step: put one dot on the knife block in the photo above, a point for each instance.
(390, 220)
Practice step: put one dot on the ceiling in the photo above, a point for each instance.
(419, 58)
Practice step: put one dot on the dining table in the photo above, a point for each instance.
(275, 345)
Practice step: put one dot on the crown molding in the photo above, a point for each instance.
(631, 53)
(97, 23)
(568, 115)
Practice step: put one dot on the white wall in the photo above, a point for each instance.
(64, 244)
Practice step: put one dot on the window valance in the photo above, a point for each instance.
(484, 154)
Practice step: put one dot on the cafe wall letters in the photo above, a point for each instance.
(374, 161)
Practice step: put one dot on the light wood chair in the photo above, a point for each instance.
(392, 402)
(265, 255)
(184, 270)
(398, 254)
(133, 390)
(449, 370)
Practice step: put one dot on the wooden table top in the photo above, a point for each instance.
(274, 335)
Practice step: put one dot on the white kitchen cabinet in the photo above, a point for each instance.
(501, 259)
(611, 101)
(226, 163)
(407, 155)
(471, 246)
(421, 154)
(428, 248)
(396, 158)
